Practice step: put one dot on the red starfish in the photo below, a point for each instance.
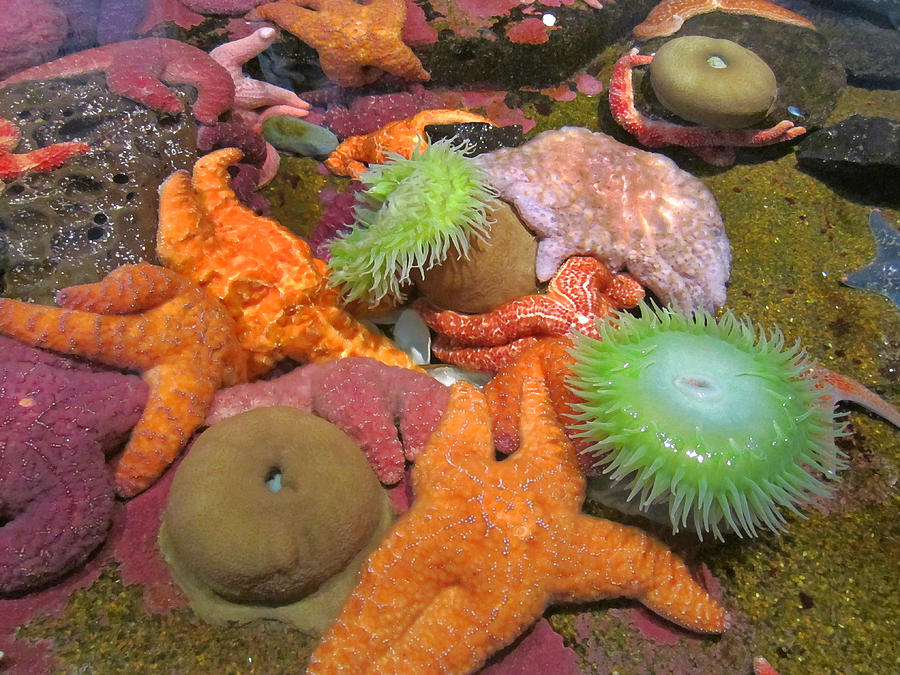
(668, 16)
(715, 146)
(13, 166)
(582, 290)
(137, 69)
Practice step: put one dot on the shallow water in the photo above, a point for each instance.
(819, 599)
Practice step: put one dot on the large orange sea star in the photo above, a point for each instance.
(487, 545)
(177, 334)
(268, 278)
(355, 42)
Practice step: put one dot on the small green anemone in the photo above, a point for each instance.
(412, 213)
(716, 419)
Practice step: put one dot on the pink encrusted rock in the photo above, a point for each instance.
(138, 69)
(584, 193)
(31, 31)
(388, 411)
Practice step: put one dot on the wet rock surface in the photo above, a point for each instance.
(98, 211)
(860, 154)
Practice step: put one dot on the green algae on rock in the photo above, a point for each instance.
(270, 515)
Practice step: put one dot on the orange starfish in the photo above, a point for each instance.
(13, 166)
(268, 278)
(401, 137)
(581, 291)
(177, 334)
(668, 16)
(487, 545)
(355, 42)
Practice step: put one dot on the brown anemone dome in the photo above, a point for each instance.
(270, 515)
(498, 269)
(712, 82)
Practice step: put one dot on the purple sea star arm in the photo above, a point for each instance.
(137, 69)
(57, 420)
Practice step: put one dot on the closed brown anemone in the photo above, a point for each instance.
(712, 82)
(270, 515)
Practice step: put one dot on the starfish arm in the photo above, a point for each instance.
(215, 89)
(605, 559)
(323, 333)
(13, 166)
(87, 61)
(544, 448)
(127, 289)
(113, 340)
(530, 315)
(176, 407)
(461, 443)
(552, 252)
(842, 388)
(181, 225)
(375, 613)
(367, 419)
(474, 623)
(482, 359)
(140, 74)
(9, 136)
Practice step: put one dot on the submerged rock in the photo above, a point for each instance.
(98, 211)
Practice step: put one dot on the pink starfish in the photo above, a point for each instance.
(251, 94)
(669, 15)
(582, 290)
(714, 146)
(137, 69)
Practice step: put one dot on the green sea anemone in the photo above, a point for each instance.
(412, 213)
(715, 419)
(717, 83)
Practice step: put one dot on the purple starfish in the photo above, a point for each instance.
(882, 275)
(361, 396)
(58, 418)
(138, 69)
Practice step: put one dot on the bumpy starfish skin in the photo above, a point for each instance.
(355, 42)
(714, 146)
(178, 335)
(137, 69)
(668, 16)
(58, 418)
(487, 545)
(13, 166)
(581, 291)
(251, 94)
(390, 412)
(584, 193)
(275, 289)
(401, 137)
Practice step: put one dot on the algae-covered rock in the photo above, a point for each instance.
(98, 211)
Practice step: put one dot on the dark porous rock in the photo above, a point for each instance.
(75, 224)
(478, 136)
(809, 75)
(869, 51)
(860, 154)
(506, 49)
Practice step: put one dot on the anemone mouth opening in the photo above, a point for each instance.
(698, 386)
(717, 61)
(273, 479)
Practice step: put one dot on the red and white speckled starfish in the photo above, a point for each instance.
(582, 290)
(714, 146)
